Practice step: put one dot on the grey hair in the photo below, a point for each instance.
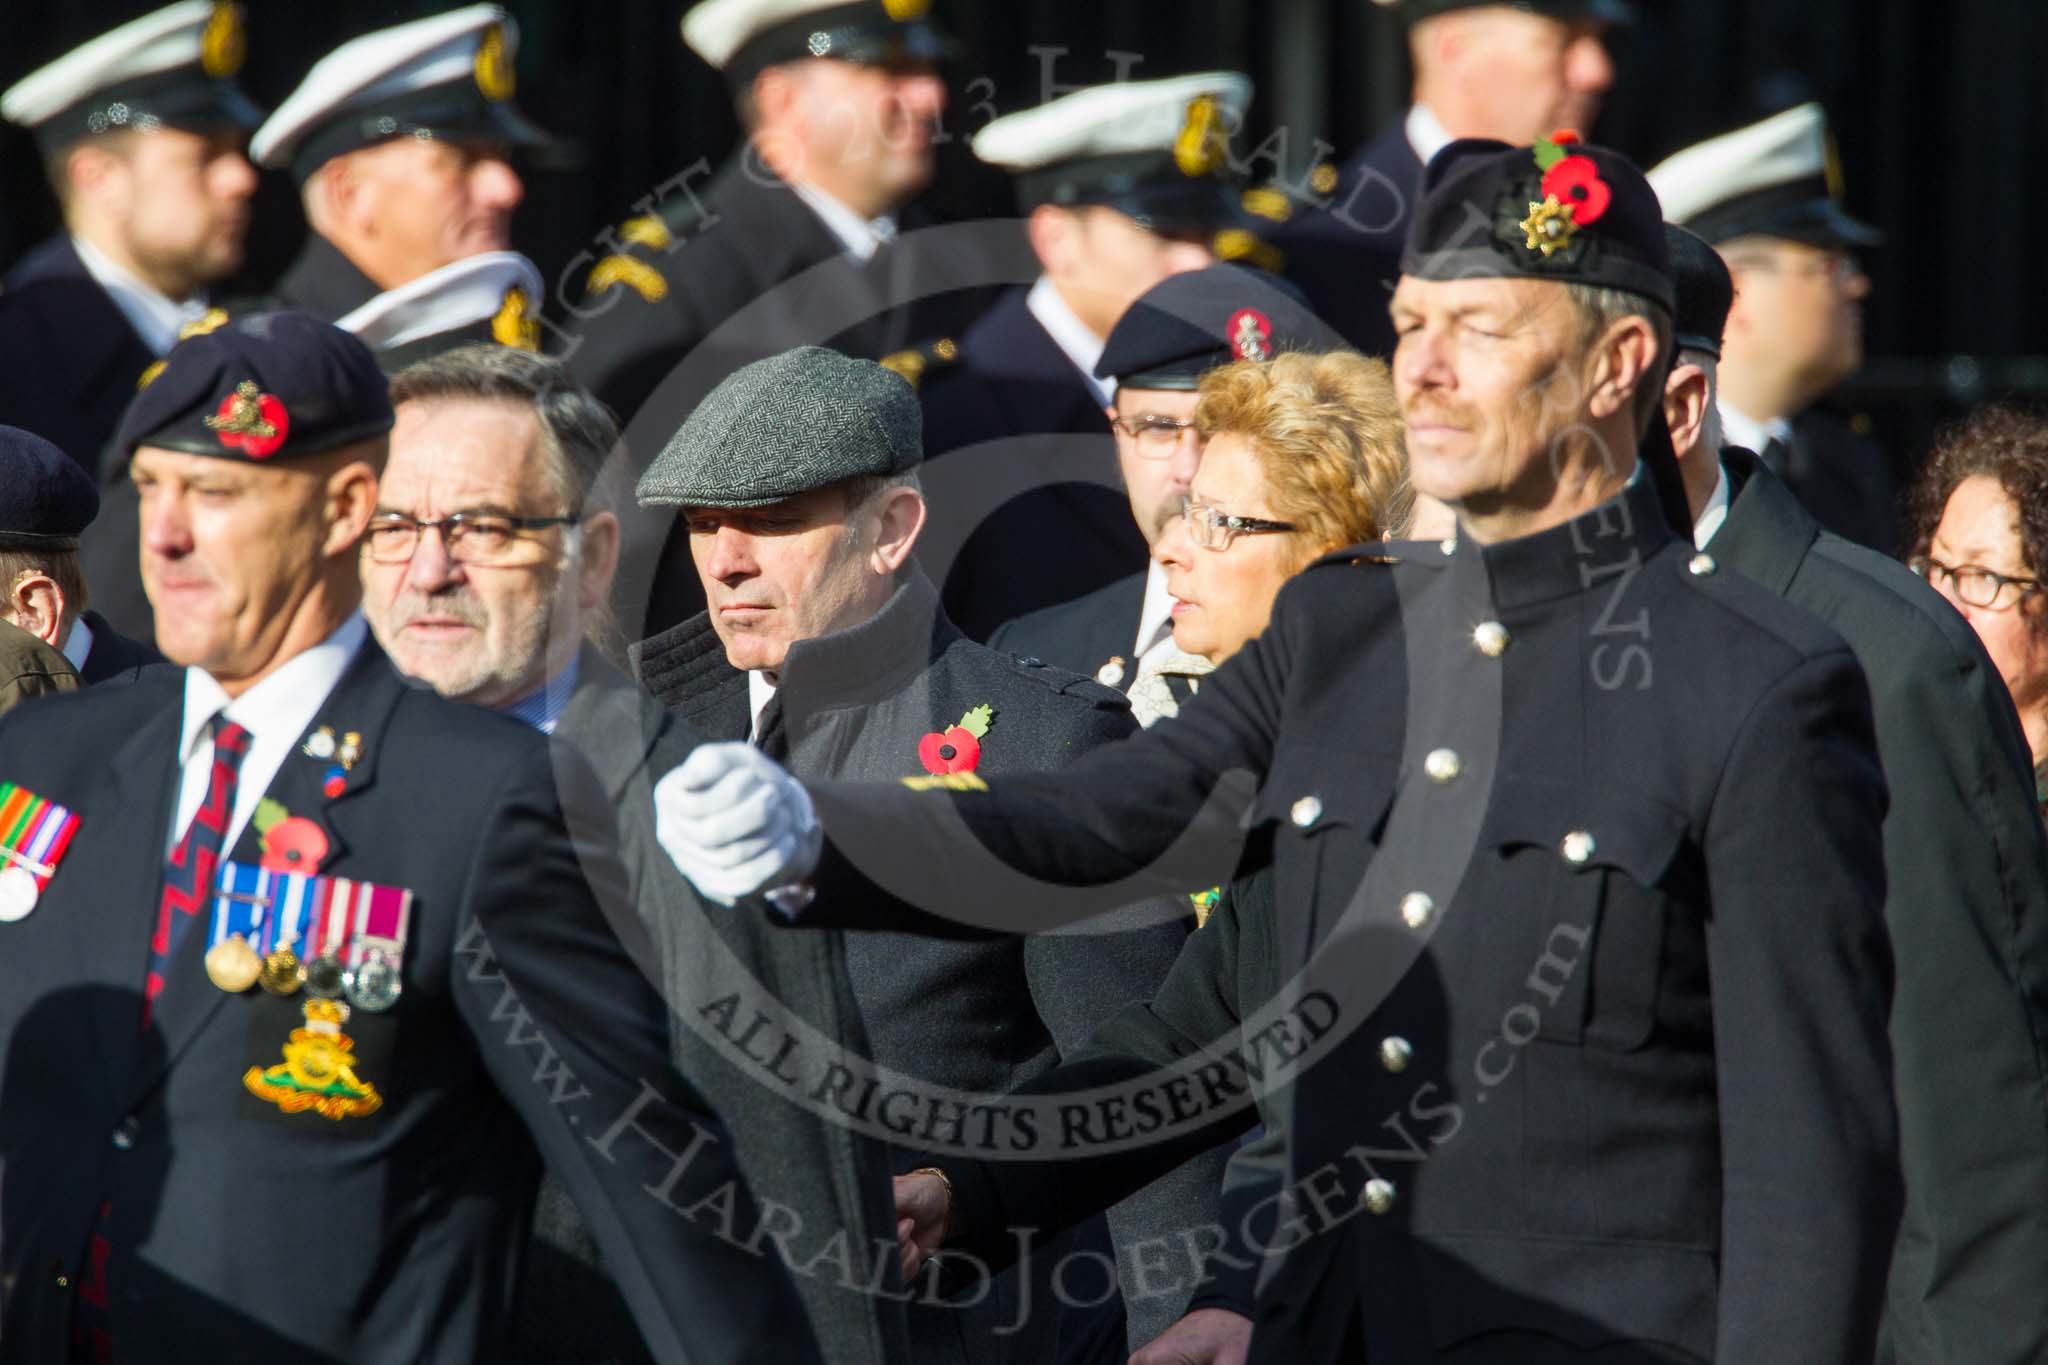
(1599, 308)
(578, 433)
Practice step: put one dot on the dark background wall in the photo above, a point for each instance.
(1940, 110)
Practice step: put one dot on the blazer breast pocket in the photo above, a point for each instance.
(1321, 812)
(1578, 918)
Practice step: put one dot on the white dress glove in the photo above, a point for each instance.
(735, 823)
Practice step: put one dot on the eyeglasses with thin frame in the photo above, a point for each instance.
(1154, 436)
(485, 538)
(1974, 586)
(1214, 530)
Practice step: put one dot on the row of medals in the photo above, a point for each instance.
(372, 984)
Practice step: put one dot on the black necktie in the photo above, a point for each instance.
(1774, 455)
(770, 736)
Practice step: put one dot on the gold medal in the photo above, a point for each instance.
(282, 973)
(233, 965)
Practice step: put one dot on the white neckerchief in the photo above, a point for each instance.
(1426, 132)
(1715, 512)
(760, 692)
(1071, 335)
(1156, 616)
(862, 237)
(275, 712)
(155, 318)
(78, 644)
(1740, 429)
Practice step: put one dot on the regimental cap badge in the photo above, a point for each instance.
(495, 76)
(1202, 147)
(224, 44)
(906, 11)
(513, 325)
(1251, 335)
(1573, 196)
(251, 420)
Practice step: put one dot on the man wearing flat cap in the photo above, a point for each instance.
(1155, 357)
(1123, 185)
(401, 143)
(302, 972)
(1768, 198)
(1966, 868)
(1576, 848)
(46, 503)
(1508, 69)
(825, 647)
(141, 133)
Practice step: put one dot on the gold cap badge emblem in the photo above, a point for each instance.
(903, 11)
(1202, 145)
(494, 74)
(514, 326)
(223, 45)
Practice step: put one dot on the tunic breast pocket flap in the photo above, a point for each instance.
(1311, 791)
(1585, 931)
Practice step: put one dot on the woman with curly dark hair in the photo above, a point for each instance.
(1980, 536)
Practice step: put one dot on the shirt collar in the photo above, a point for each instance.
(1740, 429)
(278, 709)
(1554, 564)
(1157, 611)
(862, 237)
(155, 318)
(543, 706)
(1071, 335)
(1715, 512)
(760, 691)
(78, 644)
(1426, 132)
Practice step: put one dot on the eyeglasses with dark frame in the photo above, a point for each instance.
(470, 537)
(1156, 437)
(1214, 530)
(1974, 586)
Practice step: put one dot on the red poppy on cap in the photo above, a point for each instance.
(252, 421)
(1576, 183)
(1251, 335)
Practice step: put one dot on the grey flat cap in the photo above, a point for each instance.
(801, 420)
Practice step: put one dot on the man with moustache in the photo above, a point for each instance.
(141, 133)
(1966, 868)
(401, 142)
(302, 970)
(1482, 69)
(1575, 834)
(1768, 197)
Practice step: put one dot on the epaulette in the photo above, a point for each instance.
(1242, 244)
(677, 219)
(1066, 684)
(913, 362)
(1382, 553)
(211, 320)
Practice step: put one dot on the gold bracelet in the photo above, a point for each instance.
(940, 1176)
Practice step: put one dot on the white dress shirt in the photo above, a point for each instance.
(1426, 132)
(760, 691)
(1740, 429)
(155, 318)
(78, 643)
(275, 712)
(862, 237)
(1071, 335)
(1155, 618)
(1715, 512)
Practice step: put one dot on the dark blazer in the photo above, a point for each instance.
(1022, 472)
(1843, 479)
(243, 1233)
(1082, 635)
(639, 338)
(321, 281)
(1967, 905)
(113, 653)
(982, 1016)
(70, 358)
(1344, 250)
(1624, 1075)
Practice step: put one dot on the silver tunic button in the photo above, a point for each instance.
(1491, 637)
(1416, 908)
(1377, 1196)
(1396, 1053)
(1442, 764)
(1305, 812)
(1449, 545)
(1701, 565)
(1578, 846)
(1111, 673)
(126, 1131)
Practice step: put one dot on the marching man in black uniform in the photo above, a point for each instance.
(1571, 1011)
(141, 131)
(300, 972)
